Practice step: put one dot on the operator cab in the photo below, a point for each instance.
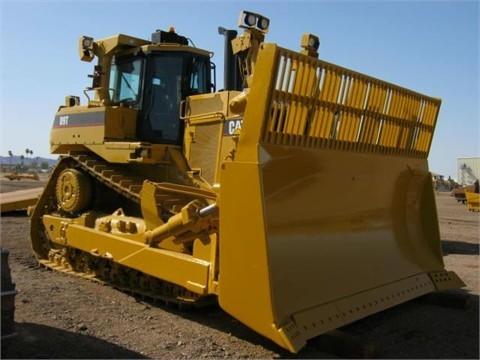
(155, 80)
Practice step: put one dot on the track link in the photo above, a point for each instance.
(80, 264)
(115, 177)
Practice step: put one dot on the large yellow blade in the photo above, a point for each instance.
(327, 211)
(314, 240)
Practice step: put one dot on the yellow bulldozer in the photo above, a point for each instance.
(298, 196)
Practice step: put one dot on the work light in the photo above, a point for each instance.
(249, 20)
(263, 23)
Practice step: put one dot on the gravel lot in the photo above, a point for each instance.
(61, 316)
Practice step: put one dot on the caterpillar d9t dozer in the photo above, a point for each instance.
(299, 196)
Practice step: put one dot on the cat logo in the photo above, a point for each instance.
(232, 127)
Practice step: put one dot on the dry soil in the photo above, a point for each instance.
(61, 316)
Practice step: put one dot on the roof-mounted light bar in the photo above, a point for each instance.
(171, 36)
(250, 20)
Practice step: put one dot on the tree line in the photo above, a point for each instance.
(33, 162)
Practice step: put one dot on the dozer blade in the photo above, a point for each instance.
(317, 230)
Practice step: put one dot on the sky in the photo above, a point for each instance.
(431, 47)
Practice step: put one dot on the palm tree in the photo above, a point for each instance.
(31, 154)
(28, 151)
(11, 156)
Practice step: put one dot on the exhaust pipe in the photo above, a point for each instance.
(231, 71)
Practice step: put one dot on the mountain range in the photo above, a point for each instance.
(16, 159)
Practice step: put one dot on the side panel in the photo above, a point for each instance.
(74, 126)
(210, 132)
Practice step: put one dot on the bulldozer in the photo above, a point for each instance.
(297, 197)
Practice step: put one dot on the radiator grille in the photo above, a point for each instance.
(203, 153)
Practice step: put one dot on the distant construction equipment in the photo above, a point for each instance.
(17, 176)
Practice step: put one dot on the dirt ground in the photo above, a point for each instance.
(61, 316)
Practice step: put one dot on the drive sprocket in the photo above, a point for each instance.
(73, 191)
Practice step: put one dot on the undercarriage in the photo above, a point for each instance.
(91, 195)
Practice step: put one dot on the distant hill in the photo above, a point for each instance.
(15, 160)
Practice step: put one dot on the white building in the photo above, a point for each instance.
(468, 170)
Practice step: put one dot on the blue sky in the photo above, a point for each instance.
(431, 47)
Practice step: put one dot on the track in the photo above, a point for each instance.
(75, 262)
(115, 177)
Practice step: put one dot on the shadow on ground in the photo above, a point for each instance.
(459, 248)
(34, 341)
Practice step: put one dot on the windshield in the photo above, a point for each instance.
(155, 84)
(169, 78)
(125, 80)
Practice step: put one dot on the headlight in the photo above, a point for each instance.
(263, 23)
(313, 42)
(310, 41)
(85, 48)
(250, 20)
(87, 42)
